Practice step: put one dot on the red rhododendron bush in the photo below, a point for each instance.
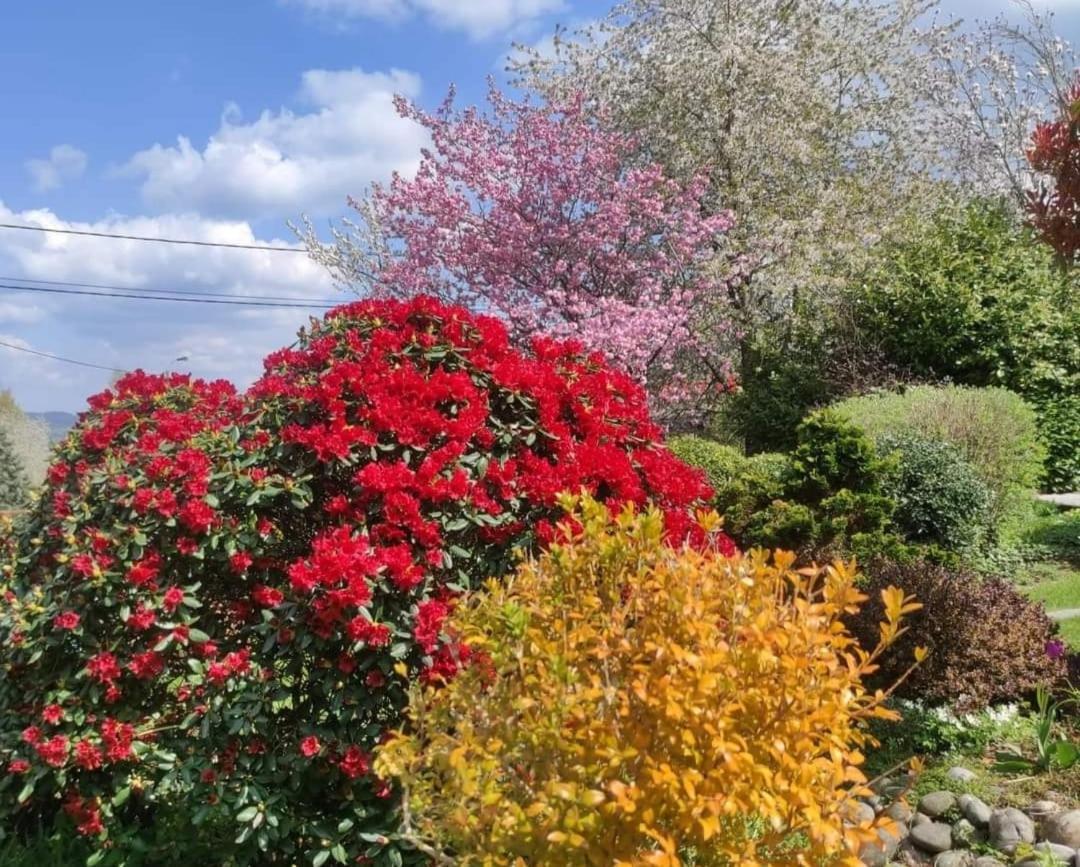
(221, 600)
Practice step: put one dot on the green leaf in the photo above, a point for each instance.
(344, 826)
(247, 814)
(1063, 754)
(320, 858)
(26, 792)
(339, 853)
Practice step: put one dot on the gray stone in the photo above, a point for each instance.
(975, 811)
(932, 837)
(920, 819)
(876, 802)
(877, 853)
(987, 861)
(1041, 809)
(937, 803)
(858, 813)
(954, 858)
(960, 774)
(964, 834)
(1063, 828)
(900, 811)
(1008, 827)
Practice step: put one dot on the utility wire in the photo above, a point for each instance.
(206, 292)
(140, 297)
(265, 247)
(56, 357)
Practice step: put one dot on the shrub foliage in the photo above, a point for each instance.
(994, 429)
(973, 298)
(211, 599)
(986, 641)
(939, 498)
(13, 482)
(628, 703)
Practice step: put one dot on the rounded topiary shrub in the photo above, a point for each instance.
(939, 498)
(987, 642)
(221, 600)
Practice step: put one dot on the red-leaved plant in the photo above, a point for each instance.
(221, 599)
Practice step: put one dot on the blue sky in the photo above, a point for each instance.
(218, 121)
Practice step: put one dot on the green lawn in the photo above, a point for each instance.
(1053, 582)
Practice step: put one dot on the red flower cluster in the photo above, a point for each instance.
(222, 580)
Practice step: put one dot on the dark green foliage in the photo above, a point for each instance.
(744, 486)
(973, 298)
(13, 481)
(782, 378)
(940, 500)
(826, 498)
(987, 641)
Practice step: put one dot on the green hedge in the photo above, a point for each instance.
(993, 429)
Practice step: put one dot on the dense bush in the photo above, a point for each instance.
(826, 498)
(631, 703)
(972, 297)
(939, 498)
(14, 485)
(742, 486)
(994, 429)
(222, 599)
(987, 642)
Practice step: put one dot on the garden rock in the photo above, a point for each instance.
(858, 813)
(960, 774)
(975, 810)
(932, 837)
(1009, 827)
(1063, 828)
(937, 803)
(920, 819)
(878, 852)
(987, 861)
(900, 811)
(1041, 809)
(954, 859)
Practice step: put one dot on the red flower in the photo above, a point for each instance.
(310, 746)
(52, 714)
(267, 597)
(66, 620)
(241, 562)
(18, 766)
(197, 516)
(103, 667)
(87, 756)
(54, 751)
(174, 596)
(429, 620)
(355, 763)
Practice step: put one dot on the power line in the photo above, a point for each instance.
(205, 292)
(140, 297)
(56, 357)
(264, 247)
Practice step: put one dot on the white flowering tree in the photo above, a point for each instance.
(823, 124)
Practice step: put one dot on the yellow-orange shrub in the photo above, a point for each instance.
(631, 704)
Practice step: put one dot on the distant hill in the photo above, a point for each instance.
(59, 423)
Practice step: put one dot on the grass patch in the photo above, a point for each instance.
(1054, 583)
(1070, 632)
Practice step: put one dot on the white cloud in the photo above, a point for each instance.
(64, 163)
(284, 162)
(219, 340)
(480, 19)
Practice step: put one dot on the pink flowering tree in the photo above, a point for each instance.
(539, 214)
